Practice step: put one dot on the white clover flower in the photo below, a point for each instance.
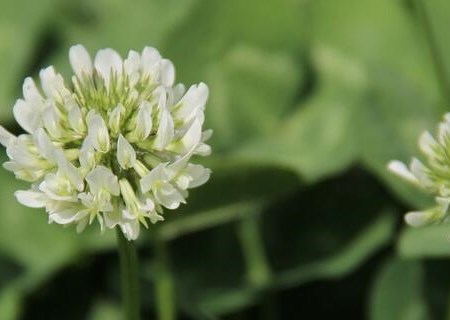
(114, 145)
(433, 177)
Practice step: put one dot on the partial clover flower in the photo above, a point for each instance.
(114, 145)
(433, 176)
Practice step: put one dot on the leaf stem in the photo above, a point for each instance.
(438, 60)
(129, 276)
(165, 301)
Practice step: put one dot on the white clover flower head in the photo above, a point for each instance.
(433, 176)
(114, 145)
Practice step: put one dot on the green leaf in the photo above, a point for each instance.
(438, 12)
(304, 238)
(425, 242)
(401, 98)
(319, 138)
(379, 33)
(100, 24)
(251, 89)
(397, 293)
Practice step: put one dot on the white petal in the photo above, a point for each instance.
(177, 93)
(47, 77)
(126, 156)
(420, 172)
(64, 216)
(400, 169)
(51, 122)
(46, 148)
(87, 154)
(419, 218)
(69, 170)
(193, 136)
(203, 150)
(52, 83)
(167, 72)
(115, 118)
(112, 218)
(427, 144)
(76, 120)
(98, 132)
(154, 175)
(31, 93)
(30, 198)
(28, 118)
(107, 61)
(130, 229)
(144, 121)
(165, 132)
(132, 65)
(168, 196)
(206, 135)
(149, 59)
(6, 137)
(80, 60)
(103, 178)
(198, 173)
(148, 204)
(194, 99)
(155, 217)
(175, 168)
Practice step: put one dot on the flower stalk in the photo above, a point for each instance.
(164, 287)
(129, 276)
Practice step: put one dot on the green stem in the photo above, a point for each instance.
(129, 276)
(258, 269)
(165, 301)
(439, 64)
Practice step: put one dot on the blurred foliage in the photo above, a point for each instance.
(309, 101)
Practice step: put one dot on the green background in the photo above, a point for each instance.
(309, 99)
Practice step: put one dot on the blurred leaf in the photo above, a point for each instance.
(379, 33)
(300, 246)
(397, 293)
(103, 23)
(103, 310)
(401, 98)
(315, 223)
(216, 26)
(425, 242)
(361, 246)
(245, 52)
(438, 12)
(339, 264)
(251, 90)
(319, 138)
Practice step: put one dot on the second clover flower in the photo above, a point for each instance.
(433, 176)
(114, 146)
